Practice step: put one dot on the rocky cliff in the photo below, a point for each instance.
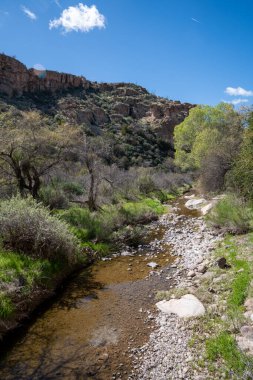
(16, 79)
(97, 106)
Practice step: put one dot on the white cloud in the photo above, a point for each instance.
(195, 20)
(80, 18)
(236, 101)
(239, 91)
(29, 13)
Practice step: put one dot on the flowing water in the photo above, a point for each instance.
(88, 332)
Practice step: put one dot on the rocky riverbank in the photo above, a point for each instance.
(168, 355)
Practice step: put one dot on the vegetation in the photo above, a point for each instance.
(70, 192)
(30, 147)
(216, 332)
(207, 141)
(224, 346)
(241, 177)
(27, 227)
(232, 214)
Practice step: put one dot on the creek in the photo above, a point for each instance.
(90, 329)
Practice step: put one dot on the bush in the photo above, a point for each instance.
(232, 214)
(136, 213)
(53, 198)
(27, 227)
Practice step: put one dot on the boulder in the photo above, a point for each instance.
(195, 204)
(205, 210)
(186, 307)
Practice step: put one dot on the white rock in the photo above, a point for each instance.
(195, 204)
(126, 253)
(185, 307)
(152, 264)
(189, 196)
(204, 210)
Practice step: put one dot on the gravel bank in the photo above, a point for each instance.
(167, 355)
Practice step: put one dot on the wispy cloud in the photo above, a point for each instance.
(236, 101)
(5, 13)
(80, 18)
(195, 20)
(238, 91)
(29, 13)
(57, 2)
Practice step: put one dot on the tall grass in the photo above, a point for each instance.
(232, 214)
(87, 225)
(6, 306)
(27, 270)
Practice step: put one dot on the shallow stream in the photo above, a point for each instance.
(89, 330)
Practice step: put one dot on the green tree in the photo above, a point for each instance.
(207, 140)
(241, 176)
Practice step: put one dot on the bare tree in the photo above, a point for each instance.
(30, 147)
(95, 152)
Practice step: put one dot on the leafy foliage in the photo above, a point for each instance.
(241, 176)
(208, 140)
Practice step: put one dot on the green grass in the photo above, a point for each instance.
(241, 280)
(28, 270)
(88, 226)
(221, 349)
(23, 272)
(6, 306)
(13, 265)
(103, 249)
(224, 346)
(232, 214)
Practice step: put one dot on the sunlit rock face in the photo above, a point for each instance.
(16, 79)
(96, 105)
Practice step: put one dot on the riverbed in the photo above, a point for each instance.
(104, 313)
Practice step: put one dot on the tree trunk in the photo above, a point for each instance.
(92, 197)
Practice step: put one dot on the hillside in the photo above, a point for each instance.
(129, 113)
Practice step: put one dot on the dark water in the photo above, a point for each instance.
(88, 331)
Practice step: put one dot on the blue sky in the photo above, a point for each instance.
(188, 50)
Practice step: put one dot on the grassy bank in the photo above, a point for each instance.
(39, 248)
(224, 292)
(105, 230)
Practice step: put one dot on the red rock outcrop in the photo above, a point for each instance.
(16, 79)
(98, 104)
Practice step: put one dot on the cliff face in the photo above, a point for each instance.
(16, 79)
(95, 105)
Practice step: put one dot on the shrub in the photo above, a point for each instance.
(53, 198)
(232, 214)
(27, 227)
(146, 184)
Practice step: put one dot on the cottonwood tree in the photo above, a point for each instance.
(241, 175)
(30, 147)
(208, 140)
